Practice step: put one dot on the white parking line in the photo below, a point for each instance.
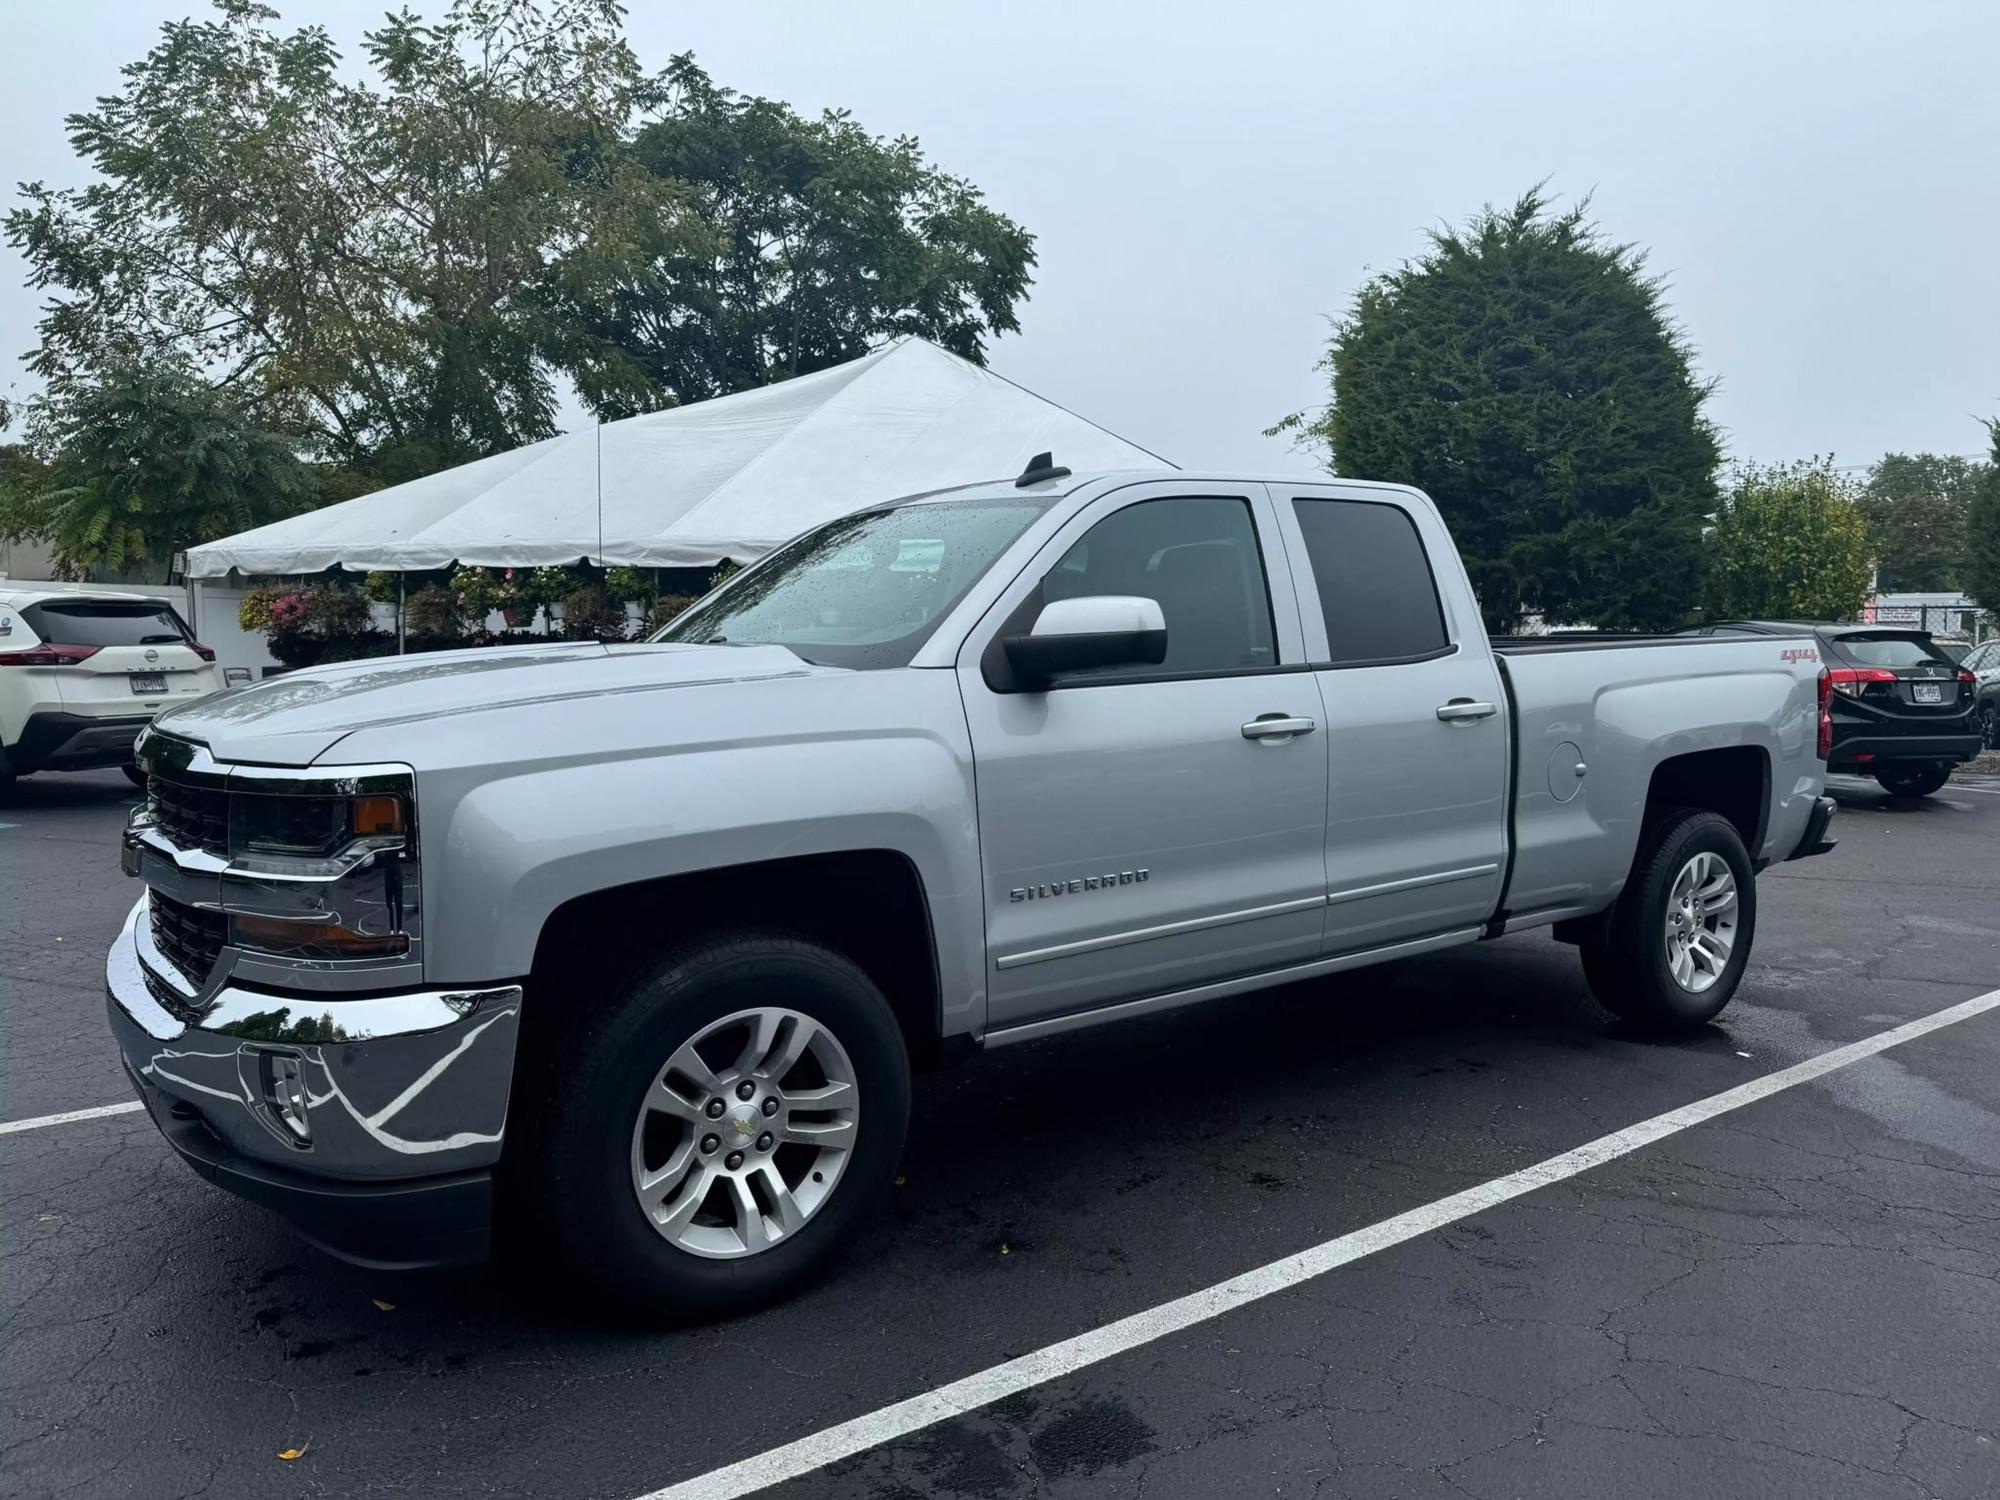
(832, 1444)
(41, 1122)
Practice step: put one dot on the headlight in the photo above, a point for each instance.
(313, 827)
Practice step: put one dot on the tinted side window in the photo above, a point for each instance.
(1199, 559)
(1375, 584)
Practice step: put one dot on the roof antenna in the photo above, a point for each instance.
(1042, 466)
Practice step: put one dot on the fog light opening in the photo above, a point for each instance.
(285, 1094)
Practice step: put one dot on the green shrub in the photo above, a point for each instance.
(635, 584)
(589, 614)
(665, 608)
(433, 613)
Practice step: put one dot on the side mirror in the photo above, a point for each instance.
(1074, 635)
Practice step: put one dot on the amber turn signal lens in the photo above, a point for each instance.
(374, 816)
(315, 939)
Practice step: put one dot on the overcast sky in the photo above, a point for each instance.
(1820, 181)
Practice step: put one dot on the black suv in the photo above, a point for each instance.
(1900, 709)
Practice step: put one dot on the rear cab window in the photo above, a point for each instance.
(1376, 589)
(106, 622)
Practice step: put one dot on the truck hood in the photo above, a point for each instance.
(295, 719)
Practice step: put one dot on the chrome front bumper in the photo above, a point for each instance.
(366, 1089)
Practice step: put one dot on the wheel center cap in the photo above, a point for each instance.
(741, 1127)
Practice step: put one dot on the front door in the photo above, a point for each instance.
(1140, 831)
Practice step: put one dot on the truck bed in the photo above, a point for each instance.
(1740, 711)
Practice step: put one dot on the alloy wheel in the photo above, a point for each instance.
(744, 1134)
(1701, 922)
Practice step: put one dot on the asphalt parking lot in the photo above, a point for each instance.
(1800, 1297)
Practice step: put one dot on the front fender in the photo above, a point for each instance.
(507, 842)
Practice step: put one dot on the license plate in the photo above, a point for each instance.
(152, 684)
(1930, 692)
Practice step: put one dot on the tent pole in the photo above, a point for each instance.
(399, 612)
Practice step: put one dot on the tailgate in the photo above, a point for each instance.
(136, 657)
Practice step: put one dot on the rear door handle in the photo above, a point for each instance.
(1460, 710)
(1277, 727)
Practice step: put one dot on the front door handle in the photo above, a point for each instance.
(1279, 727)
(1461, 710)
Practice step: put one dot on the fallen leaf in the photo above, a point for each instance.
(901, 1180)
(385, 1306)
(1003, 1250)
(288, 1454)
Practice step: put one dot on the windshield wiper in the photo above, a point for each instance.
(717, 640)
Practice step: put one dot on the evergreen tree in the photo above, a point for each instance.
(1525, 373)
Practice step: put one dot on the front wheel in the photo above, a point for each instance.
(1680, 936)
(718, 1133)
(1902, 780)
(1989, 725)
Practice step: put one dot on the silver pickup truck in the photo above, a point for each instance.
(631, 949)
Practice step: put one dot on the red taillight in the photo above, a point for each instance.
(1825, 718)
(1852, 682)
(206, 653)
(48, 654)
(1969, 677)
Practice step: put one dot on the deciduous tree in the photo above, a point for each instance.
(1789, 543)
(356, 260)
(1982, 529)
(1916, 506)
(811, 239)
(148, 462)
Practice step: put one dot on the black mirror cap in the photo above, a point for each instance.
(1038, 660)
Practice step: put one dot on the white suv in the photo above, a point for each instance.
(82, 671)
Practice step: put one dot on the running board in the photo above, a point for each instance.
(1028, 1031)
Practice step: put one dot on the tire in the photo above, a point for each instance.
(134, 775)
(1900, 779)
(591, 1140)
(1989, 725)
(8, 783)
(1633, 973)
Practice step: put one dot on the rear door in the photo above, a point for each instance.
(140, 657)
(1141, 831)
(1416, 836)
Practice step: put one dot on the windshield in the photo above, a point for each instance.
(864, 591)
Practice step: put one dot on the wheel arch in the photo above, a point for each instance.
(868, 904)
(1733, 781)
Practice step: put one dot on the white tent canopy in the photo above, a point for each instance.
(728, 478)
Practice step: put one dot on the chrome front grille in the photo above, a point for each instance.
(190, 817)
(187, 937)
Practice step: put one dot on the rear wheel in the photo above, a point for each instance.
(717, 1134)
(1989, 725)
(1901, 779)
(1680, 936)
